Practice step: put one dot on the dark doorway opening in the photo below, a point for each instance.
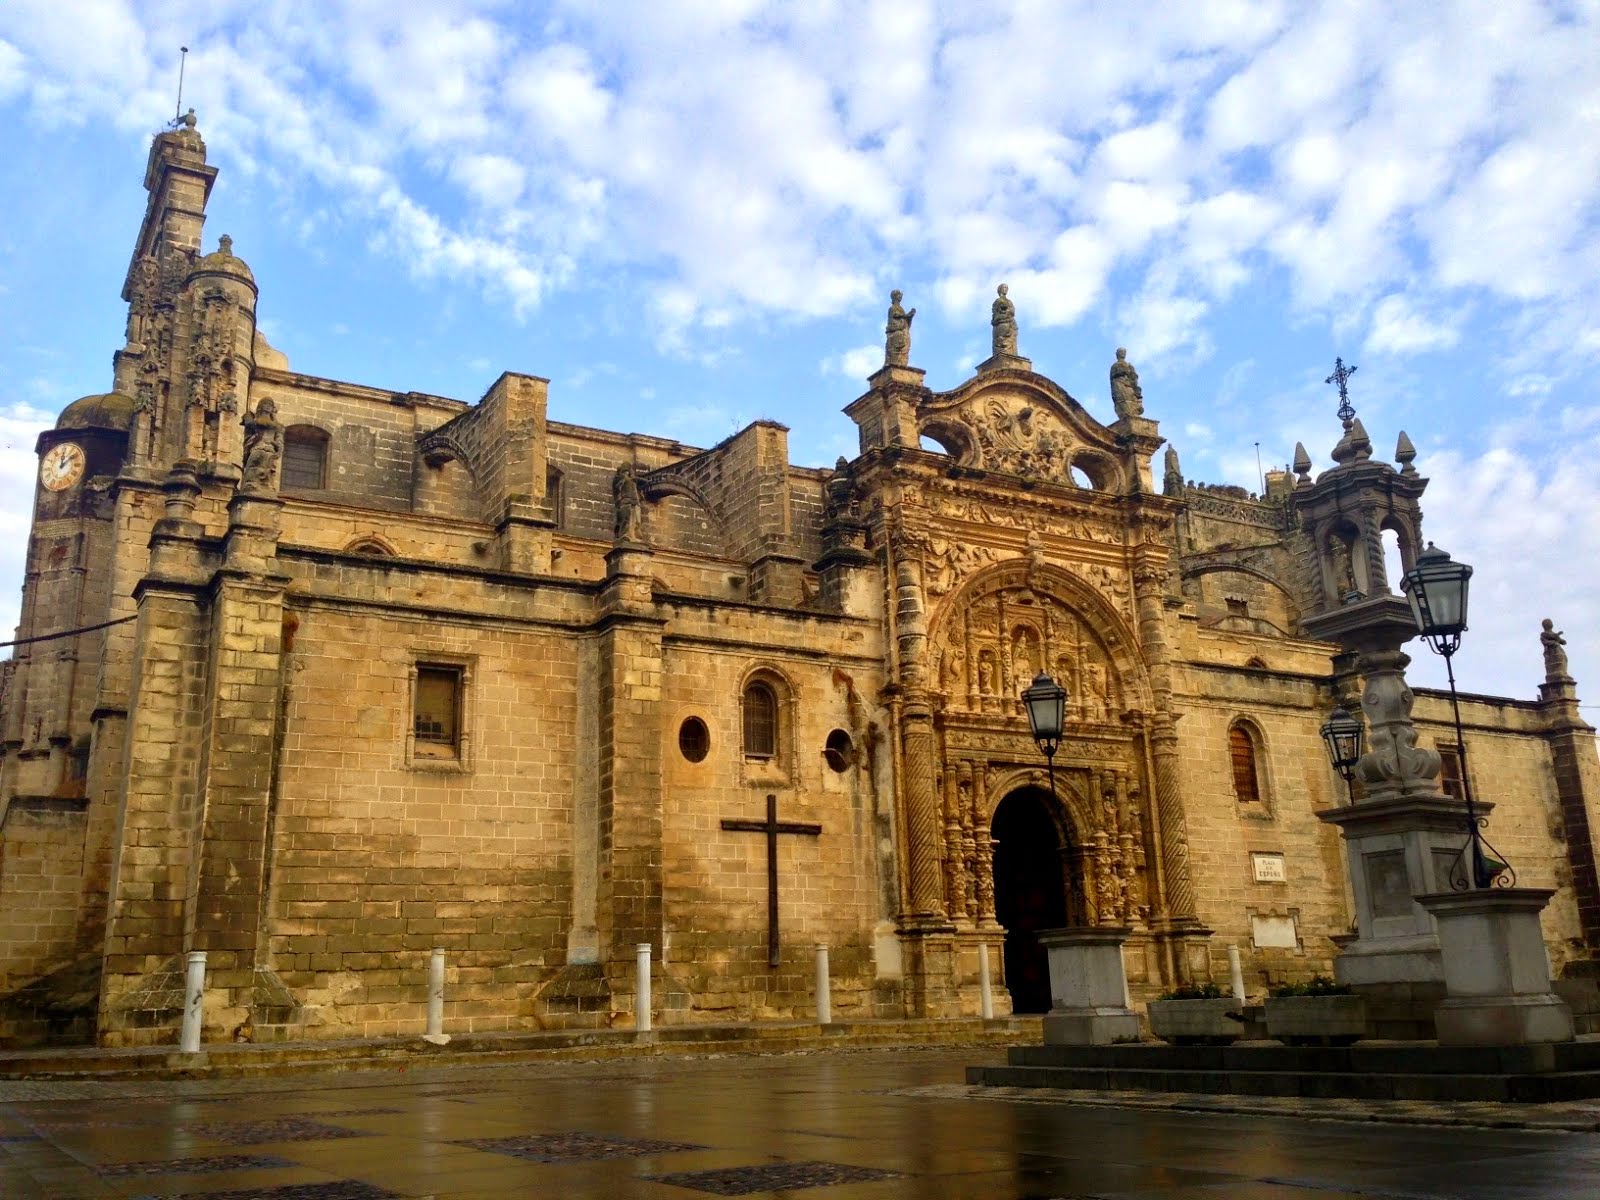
(1029, 894)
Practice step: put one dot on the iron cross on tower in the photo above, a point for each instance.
(772, 827)
(1341, 376)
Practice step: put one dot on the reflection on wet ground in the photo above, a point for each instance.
(836, 1126)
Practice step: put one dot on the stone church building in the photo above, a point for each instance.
(315, 677)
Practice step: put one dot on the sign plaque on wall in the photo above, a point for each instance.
(1268, 868)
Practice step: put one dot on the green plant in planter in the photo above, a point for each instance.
(1196, 991)
(1319, 985)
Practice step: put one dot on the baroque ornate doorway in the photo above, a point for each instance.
(1030, 892)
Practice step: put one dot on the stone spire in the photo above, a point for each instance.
(1172, 477)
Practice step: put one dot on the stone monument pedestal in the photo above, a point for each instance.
(1088, 988)
(1397, 849)
(1496, 970)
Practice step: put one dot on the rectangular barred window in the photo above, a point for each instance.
(437, 721)
(304, 460)
(1450, 772)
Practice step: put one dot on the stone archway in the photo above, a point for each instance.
(1030, 891)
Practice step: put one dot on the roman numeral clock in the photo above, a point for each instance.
(62, 466)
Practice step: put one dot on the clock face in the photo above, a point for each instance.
(62, 466)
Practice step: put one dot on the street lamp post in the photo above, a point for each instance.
(1046, 702)
(1437, 589)
(1344, 736)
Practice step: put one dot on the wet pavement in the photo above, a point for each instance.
(834, 1126)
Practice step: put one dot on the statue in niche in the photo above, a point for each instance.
(143, 295)
(897, 334)
(263, 447)
(1555, 653)
(986, 673)
(1003, 319)
(1096, 702)
(1127, 397)
(1344, 570)
(954, 669)
(630, 504)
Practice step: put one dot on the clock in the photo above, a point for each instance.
(62, 466)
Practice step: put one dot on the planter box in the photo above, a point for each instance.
(1317, 1020)
(1196, 1022)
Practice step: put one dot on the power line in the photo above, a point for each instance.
(50, 637)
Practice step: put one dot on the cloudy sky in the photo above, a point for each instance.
(689, 216)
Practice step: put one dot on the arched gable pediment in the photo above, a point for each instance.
(1020, 423)
(1010, 621)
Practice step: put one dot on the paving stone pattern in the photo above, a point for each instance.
(208, 1165)
(746, 1181)
(866, 1125)
(574, 1147)
(342, 1189)
(279, 1129)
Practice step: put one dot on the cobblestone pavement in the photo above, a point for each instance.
(833, 1125)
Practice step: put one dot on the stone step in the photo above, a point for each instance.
(1529, 1089)
(1421, 1058)
(1520, 1074)
(223, 1059)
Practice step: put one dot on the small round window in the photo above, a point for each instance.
(840, 751)
(694, 739)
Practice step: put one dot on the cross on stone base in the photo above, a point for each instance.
(772, 827)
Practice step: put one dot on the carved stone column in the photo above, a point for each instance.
(955, 865)
(924, 885)
(1148, 578)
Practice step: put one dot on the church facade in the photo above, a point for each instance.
(317, 677)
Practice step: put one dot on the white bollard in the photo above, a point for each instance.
(641, 1002)
(824, 990)
(436, 1033)
(1236, 974)
(985, 985)
(194, 993)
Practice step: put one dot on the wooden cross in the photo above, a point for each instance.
(772, 827)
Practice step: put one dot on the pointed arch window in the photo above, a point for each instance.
(760, 721)
(1246, 769)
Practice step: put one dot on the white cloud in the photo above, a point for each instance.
(854, 364)
(19, 430)
(12, 70)
(1398, 328)
(746, 158)
(1518, 521)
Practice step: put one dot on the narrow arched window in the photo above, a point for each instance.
(760, 721)
(1246, 771)
(305, 458)
(552, 492)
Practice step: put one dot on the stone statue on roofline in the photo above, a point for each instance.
(1555, 652)
(630, 504)
(1127, 397)
(897, 333)
(1172, 474)
(1003, 319)
(263, 447)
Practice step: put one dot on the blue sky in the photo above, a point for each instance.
(689, 216)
